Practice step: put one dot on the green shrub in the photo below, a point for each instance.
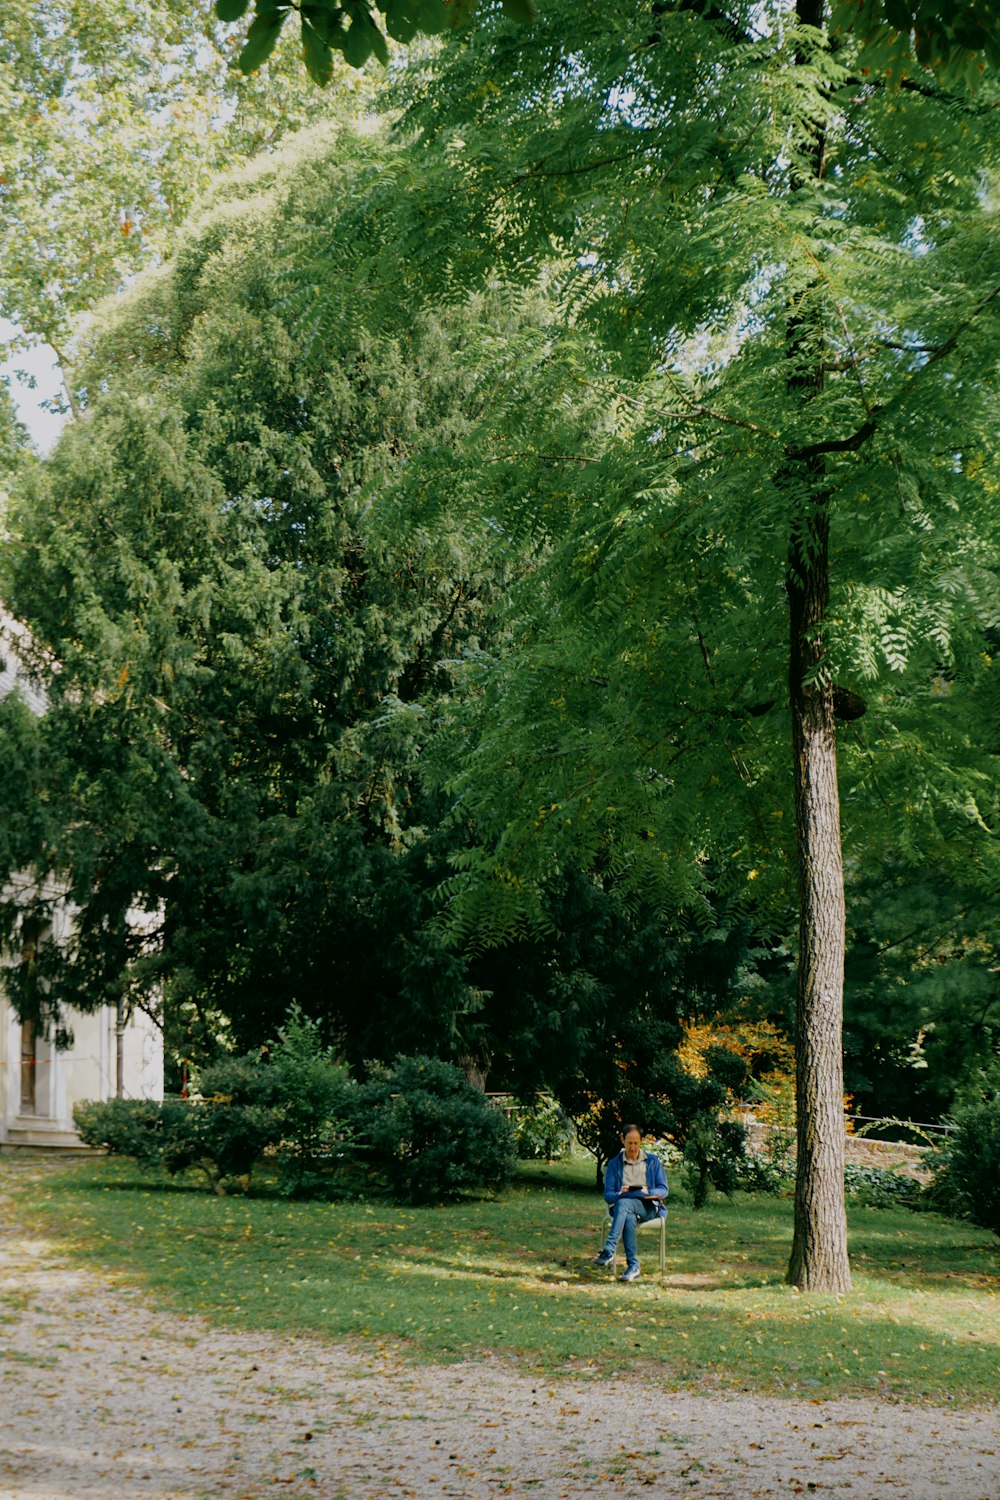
(287, 1101)
(123, 1127)
(714, 1152)
(882, 1187)
(428, 1135)
(310, 1091)
(671, 1157)
(967, 1166)
(541, 1131)
(224, 1142)
(417, 1129)
(670, 1102)
(768, 1171)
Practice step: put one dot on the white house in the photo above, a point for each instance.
(40, 1082)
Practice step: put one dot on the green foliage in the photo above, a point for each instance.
(879, 1187)
(221, 1138)
(113, 121)
(642, 714)
(306, 1094)
(13, 441)
(541, 1131)
(416, 1130)
(27, 821)
(770, 1170)
(956, 42)
(135, 1128)
(429, 1134)
(288, 1101)
(669, 1156)
(714, 1151)
(589, 1008)
(967, 1166)
(920, 1012)
(252, 653)
(352, 28)
(637, 1076)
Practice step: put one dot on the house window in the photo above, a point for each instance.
(29, 1067)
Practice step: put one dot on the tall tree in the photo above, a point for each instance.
(113, 120)
(819, 1247)
(747, 215)
(242, 661)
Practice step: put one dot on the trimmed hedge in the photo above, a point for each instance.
(417, 1130)
(428, 1134)
(223, 1141)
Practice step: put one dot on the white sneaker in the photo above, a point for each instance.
(630, 1273)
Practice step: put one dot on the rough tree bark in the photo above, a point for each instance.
(819, 1247)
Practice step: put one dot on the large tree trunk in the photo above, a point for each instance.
(819, 1248)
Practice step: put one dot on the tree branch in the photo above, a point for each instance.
(868, 428)
(539, 170)
(839, 445)
(952, 340)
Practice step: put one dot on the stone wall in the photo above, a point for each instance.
(859, 1150)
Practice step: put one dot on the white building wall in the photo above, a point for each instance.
(11, 673)
(87, 1069)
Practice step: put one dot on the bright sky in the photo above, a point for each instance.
(40, 364)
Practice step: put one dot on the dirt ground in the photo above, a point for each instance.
(105, 1397)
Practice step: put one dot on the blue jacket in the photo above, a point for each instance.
(656, 1180)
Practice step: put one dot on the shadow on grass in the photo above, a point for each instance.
(513, 1278)
(554, 1215)
(555, 1175)
(155, 1185)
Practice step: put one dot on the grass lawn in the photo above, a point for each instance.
(512, 1278)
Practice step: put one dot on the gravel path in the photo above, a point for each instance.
(103, 1397)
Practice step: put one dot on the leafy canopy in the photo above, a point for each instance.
(114, 119)
(897, 37)
(249, 658)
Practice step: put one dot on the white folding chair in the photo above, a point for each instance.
(660, 1224)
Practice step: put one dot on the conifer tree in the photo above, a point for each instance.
(242, 662)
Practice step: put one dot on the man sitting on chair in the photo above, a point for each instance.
(635, 1187)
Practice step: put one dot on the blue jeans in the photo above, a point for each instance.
(626, 1216)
